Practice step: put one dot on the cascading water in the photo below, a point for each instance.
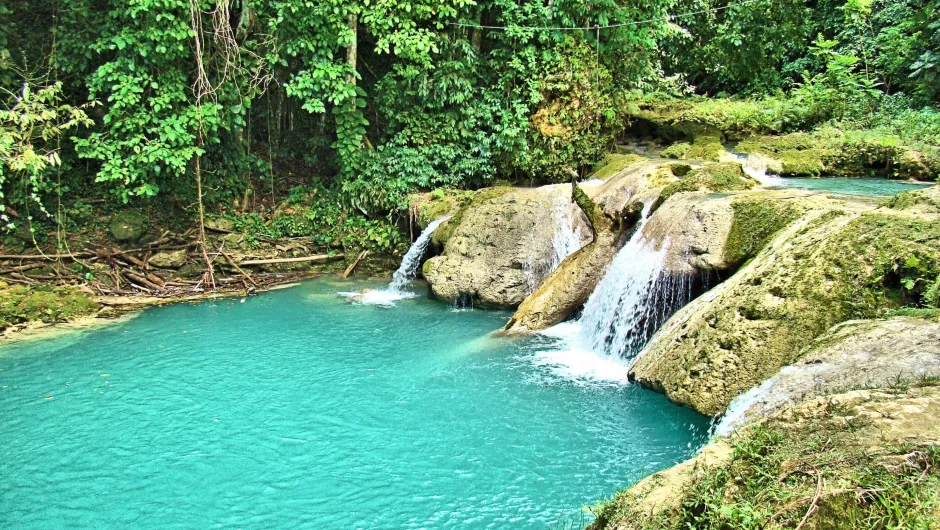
(633, 300)
(756, 168)
(407, 271)
(567, 239)
(635, 297)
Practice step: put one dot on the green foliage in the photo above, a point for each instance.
(30, 130)
(318, 213)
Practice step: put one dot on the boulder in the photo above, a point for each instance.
(854, 354)
(496, 246)
(829, 267)
(920, 201)
(128, 226)
(220, 224)
(170, 260)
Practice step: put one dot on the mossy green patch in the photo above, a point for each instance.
(677, 150)
(615, 163)
(832, 152)
(755, 223)
(20, 304)
(924, 201)
(466, 200)
(717, 177)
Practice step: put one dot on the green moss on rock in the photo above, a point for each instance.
(716, 177)
(822, 272)
(20, 304)
(615, 163)
(755, 223)
(677, 150)
(923, 201)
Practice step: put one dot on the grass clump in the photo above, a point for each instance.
(20, 304)
(814, 470)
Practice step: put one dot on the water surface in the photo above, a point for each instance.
(298, 409)
(850, 186)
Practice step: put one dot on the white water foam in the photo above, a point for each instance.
(406, 273)
(636, 296)
(571, 358)
(755, 166)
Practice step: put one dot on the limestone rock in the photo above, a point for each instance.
(128, 226)
(854, 354)
(827, 268)
(220, 224)
(920, 201)
(496, 245)
(173, 259)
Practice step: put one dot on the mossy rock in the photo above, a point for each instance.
(754, 224)
(20, 304)
(803, 465)
(707, 148)
(615, 163)
(438, 203)
(678, 150)
(715, 177)
(824, 269)
(832, 152)
(920, 201)
(128, 226)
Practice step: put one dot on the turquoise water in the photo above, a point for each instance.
(297, 409)
(851, 186)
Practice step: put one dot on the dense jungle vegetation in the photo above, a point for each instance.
(188, 107)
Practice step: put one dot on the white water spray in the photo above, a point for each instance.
(407, 271)
(755, 166)
(567, 239)
(636, 296)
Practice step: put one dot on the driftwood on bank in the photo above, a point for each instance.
(320, 257)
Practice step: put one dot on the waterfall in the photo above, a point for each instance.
(633, 300)
(635, 297)
(408, 270)
(567, 239)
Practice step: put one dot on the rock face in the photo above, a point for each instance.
(827, 268)
(854, 354)
(610, 205)
(496, 245)
(128, 226)
(920, 201)
(169, 260)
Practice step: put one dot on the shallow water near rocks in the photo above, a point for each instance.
(298, 409)
(850, 186)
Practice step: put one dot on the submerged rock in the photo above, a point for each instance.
(495, 246)
(827, 268)
(854, 354)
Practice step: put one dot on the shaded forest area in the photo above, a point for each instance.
(318, 118)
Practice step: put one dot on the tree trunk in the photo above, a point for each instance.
(352, 50)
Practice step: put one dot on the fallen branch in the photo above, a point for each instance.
(322, 257)
(355, 264)
(239, 269)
